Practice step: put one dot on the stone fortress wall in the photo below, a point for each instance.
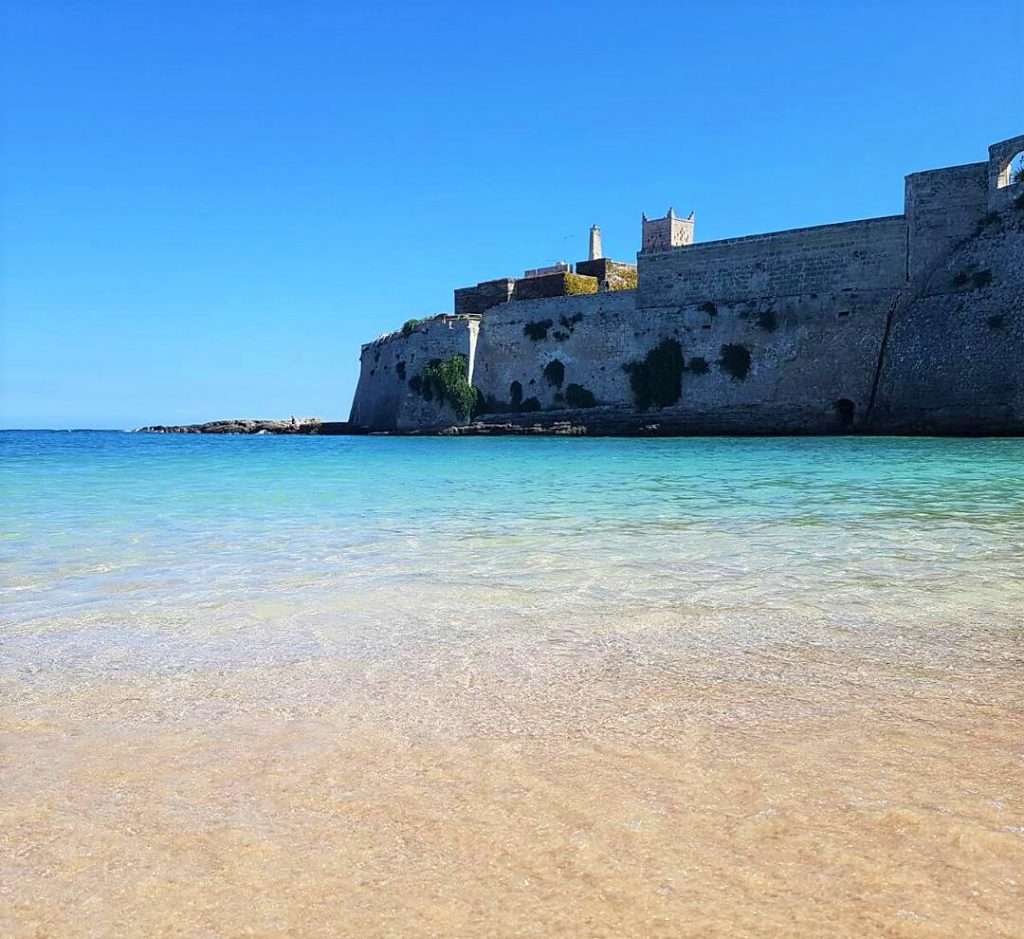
(911, 323)
(384, 399)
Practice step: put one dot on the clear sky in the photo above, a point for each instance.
(209, 206)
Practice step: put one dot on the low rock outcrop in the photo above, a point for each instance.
(295, 425)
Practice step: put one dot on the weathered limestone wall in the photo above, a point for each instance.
(383, 398)
(488, 293)
(942, 208)
(869, 254)
(954, 362)
(586, 333)
(806, 354)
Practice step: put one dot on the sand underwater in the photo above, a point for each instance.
(511, 687)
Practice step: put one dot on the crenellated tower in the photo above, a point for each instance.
(662, 234)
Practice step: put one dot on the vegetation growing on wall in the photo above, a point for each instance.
(977, 279)
(537, 330)
(735, 360)
(658, 380)
(554, 372)
(623, 279)
(568, 324)
(576, 396)
(698, 365)
(409, 326)
(447, 382)
(577, 284)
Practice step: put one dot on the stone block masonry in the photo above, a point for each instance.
(910, 323)
(384, 399)
(869, 254)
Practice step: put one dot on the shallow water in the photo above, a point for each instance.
(378, 686)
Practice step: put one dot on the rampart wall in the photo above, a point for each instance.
(383, 400)
(954, 360)
(942, 208)
(805, 354)
(856, 255)
(909, 323)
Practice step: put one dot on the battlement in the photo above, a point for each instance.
(661, 234)
(560, 268)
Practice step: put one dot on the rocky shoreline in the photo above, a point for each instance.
(310, 426)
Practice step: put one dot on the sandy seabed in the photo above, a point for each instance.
(790, 793)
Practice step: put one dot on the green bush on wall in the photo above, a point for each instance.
(576, 284)
(554, 372)
(409, 325)
(537, 330)
(623, 279)
(735, 360)
(658, 380)
(447, 381)
(576, 396)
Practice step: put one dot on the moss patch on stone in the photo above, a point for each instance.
(579, 284)
(576, 396)
(657, 381)
(624, 279)
(554, 372)
(538, 330)
(446, 381)
(735, 361)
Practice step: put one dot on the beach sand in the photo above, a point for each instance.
(763, 797)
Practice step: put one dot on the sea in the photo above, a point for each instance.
(536, 686)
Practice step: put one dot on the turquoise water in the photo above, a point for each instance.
(173, 552)
(386, 686)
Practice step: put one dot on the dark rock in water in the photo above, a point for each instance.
(486, 429)
(296, 425)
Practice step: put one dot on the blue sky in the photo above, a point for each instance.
(208, 207)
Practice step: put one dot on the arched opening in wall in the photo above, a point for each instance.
(1012, 174)
(845, 409)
